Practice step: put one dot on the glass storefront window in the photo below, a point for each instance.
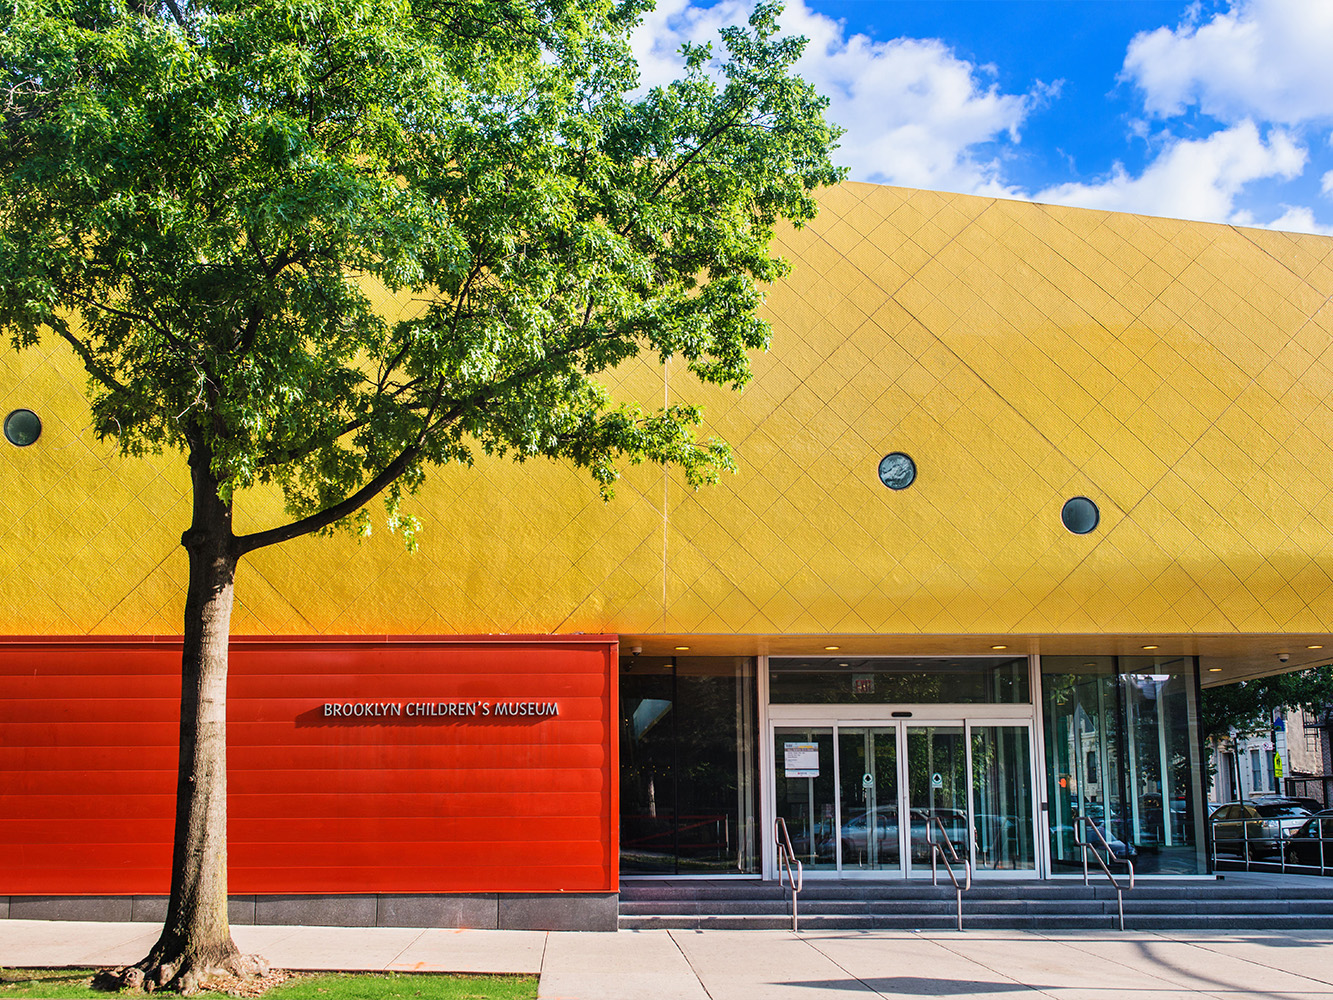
(1122, 749)
(687, 765)
(1002, 798)
(982, 680)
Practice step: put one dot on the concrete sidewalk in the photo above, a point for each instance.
(764, 965)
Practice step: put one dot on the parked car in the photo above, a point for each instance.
(1239, 829)
(1289, 813)
(924, 832)
(1312, 843)
(1120, 851)
(878, 827)
(1313, 805)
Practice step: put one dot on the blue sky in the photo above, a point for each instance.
(1217, 110)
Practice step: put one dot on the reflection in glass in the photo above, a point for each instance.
(687, 765)
(647, 766)
(868, 780)
(803, 760)
(936, 789)
(1002, 798)
(984, 680)
(1122, 749)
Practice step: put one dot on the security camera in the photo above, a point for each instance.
(1283, 657)
(636, 650)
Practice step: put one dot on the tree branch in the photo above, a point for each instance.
(95, 369)
(430, 426)
(323, 518)
(176, 13)
(309, 445)
(707, 141)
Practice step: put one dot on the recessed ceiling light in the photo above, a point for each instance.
(832, 648)
(682, 648)
(1000, 646)
(1150, 646)
(1214, 670)
(1315, 646)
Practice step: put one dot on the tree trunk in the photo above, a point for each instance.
(196, 938)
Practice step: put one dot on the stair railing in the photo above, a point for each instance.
(1120, 889)
(950, 858)
(787, 875)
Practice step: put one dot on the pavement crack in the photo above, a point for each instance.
(406, 948)
(1158, 965)
(823, 954)
(1202, 946)
(698, 978)
(993, 971)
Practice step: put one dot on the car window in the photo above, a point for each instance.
(1281, 811)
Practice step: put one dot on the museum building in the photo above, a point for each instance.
(1014, 482)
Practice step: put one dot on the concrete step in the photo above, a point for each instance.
(990, 904)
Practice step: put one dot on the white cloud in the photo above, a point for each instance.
(918, 115)
(1194, 178)
(1326, 183)
(1263, 59)
(1296, 219)
(914, 112)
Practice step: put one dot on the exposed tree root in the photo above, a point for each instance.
(184, 973)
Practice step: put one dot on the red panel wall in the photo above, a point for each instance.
(317, 804)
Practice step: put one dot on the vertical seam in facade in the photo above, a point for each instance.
(666, 402)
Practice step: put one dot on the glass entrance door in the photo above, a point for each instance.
(868, 798)
(806, 795)
(936, 790)
(869, 838)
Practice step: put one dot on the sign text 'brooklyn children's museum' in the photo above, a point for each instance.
(454, 709)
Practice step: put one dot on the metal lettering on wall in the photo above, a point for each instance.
(439, 709)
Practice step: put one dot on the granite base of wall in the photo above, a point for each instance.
(510, 911)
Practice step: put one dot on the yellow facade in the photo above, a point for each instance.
(1179, 374)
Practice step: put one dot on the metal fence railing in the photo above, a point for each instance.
(1252, 846)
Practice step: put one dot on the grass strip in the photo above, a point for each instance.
(75, 984)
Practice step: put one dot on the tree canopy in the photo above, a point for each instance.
(197, 197)
(1246, 708)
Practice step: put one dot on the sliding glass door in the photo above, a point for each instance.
(867, 799)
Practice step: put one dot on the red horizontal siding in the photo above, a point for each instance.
(317, 804)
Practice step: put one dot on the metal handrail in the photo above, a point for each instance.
(937, 854)
(1119, 889)
(1282, 845)
(786, 858)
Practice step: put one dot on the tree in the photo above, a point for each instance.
(1246, 708)
(196, 195)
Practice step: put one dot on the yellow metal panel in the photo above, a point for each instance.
(1176, 373)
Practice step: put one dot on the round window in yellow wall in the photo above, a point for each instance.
(22, 428)
(897, 471)
(1080, 515)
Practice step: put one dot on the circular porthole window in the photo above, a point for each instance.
(897, 471)
(22, 428)
(1080, 515)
